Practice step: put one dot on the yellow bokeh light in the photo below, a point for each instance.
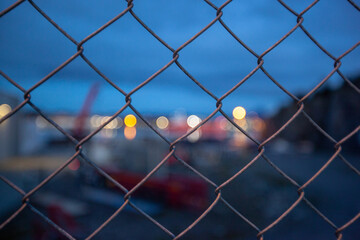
(162, 122)
(239, 113)
(130, 133)
(4, 109)
(193, 121)
(130, 120)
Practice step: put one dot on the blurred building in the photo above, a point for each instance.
(337, 111)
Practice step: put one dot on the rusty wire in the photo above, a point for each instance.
(259, 58)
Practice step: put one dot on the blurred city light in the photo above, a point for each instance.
(195, 136)
(240, 140)
(4, 109)
(119, 123)
(242, 123)
(221, 122)
(129, 132)
(74, 165)
(239, 113)
(109, 133)
(193, 121)
(130, 120)
(95, 121)
(162, 122)
(258, 124)
(111, 125)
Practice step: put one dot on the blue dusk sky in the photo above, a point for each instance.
(127, 54)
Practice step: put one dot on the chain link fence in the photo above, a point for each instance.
(338, 228)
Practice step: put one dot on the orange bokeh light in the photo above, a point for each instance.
(130, 133)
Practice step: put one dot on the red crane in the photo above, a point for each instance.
(79, 125)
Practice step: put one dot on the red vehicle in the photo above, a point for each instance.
(174, 190)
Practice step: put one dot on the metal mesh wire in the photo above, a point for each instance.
(78, 145)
